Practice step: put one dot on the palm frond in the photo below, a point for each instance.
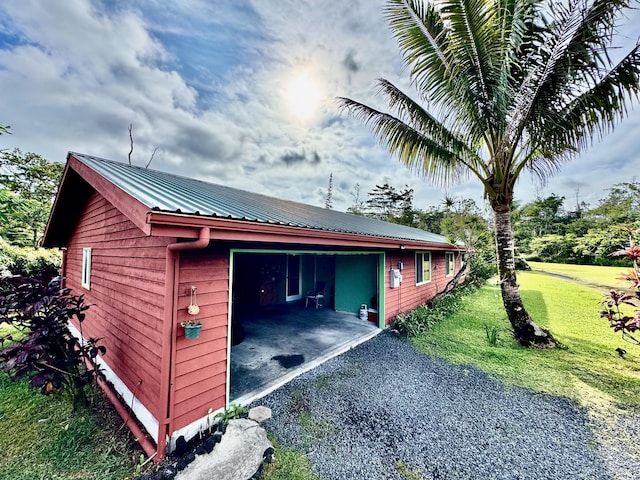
(515, 21)
(419, 153)
(571, 58)
(571, 128)
(472, 38)
(424, 43)
(413, 114)
(596, 112)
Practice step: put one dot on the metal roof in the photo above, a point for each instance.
(165, 192)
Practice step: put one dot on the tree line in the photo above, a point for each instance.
(545, 229)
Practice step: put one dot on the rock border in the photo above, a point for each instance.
(204, 443)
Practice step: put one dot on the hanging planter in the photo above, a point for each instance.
(192, 328)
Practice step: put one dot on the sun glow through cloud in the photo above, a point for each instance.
(304, 95)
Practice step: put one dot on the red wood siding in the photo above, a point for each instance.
(127, 291)
(409, 295)
(201, 364)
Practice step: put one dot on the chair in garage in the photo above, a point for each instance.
(316, 295)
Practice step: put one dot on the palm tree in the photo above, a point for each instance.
(504, 86)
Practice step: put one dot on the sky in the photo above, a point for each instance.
(237, 92)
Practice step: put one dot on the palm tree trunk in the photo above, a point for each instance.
(525, 329)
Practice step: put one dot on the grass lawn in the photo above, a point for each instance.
(591, 275)
(41, 438)
(587, 370)
(289, 465)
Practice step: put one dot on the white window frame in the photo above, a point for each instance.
(449, 263)
(420, 267)
(86, 268)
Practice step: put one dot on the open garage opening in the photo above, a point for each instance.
(290, 311)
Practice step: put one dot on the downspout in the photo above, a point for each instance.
(63, 267)
(168, 332)
(121, 408)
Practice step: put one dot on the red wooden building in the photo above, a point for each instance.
(136, 241)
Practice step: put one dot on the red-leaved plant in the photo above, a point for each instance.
(626, 323)
(45, 351)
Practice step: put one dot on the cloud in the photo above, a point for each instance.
(293, 158)
(350, 62)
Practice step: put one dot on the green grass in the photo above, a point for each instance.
(590, 275)
(407, 472)
(288, 465)
(42, 438)
(587, 370)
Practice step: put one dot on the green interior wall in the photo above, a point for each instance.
(356, 281)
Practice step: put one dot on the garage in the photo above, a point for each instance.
(291, 310)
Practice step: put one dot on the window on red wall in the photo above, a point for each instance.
(86, 268)
(423, 267)
(450, 263)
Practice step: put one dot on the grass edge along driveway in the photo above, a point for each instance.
(588, 368)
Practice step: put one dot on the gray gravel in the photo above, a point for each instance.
(360, 414)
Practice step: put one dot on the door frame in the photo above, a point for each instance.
(298, 296)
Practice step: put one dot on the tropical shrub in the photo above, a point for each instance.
(554, 248)
(620, 319)
(481, 268)
(28, 262)
(46, 352)
(426, 316)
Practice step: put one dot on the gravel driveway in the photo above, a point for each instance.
(382, 409)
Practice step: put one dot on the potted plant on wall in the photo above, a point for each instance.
(191, 328)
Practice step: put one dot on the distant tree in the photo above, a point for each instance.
(598, 243)
(387, 203)
(463, 222)
(328, 203)
(503, 87)
(382, 202)
(543, 216)
(555, 248)
(621, 205)
(29, 184)
(357, 208)
(430, 219)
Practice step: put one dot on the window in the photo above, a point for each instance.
(86, 268)
(423, 267)
(450, 263)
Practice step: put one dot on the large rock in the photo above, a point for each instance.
(260, 414)
(238, 455)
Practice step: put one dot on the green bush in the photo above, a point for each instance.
(27, 261)
(481, 269)
(426, 316)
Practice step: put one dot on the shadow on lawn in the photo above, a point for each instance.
(534, 302)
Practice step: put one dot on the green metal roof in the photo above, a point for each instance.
(165, 192)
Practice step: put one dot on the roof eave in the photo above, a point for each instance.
(187, 226)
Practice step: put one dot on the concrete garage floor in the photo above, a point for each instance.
(283, 341)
